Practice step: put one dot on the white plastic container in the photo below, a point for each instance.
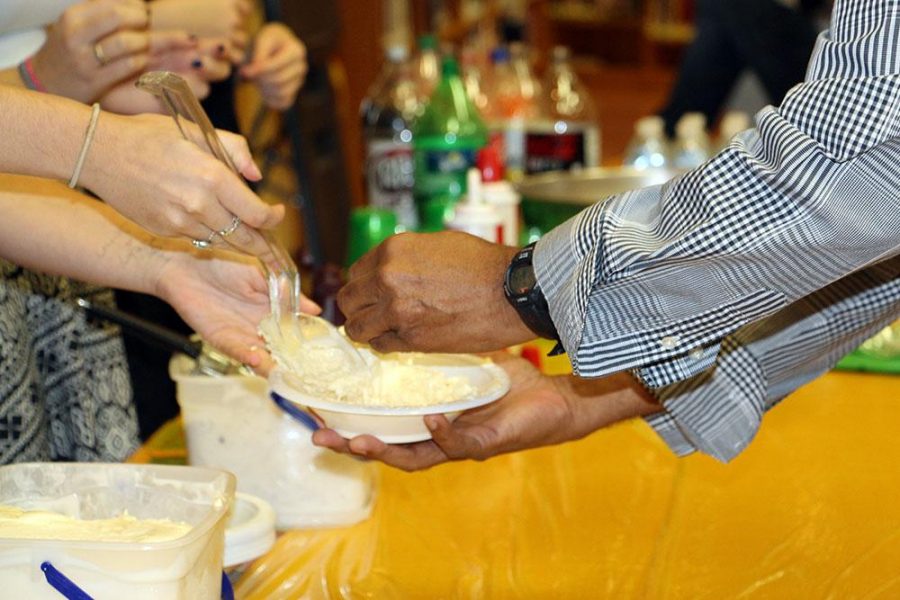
(505, 200)
(187, 568)
(250, 533)
(473, 215)
(231, 423)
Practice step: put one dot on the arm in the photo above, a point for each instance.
(538, 411)
(222, 295)
(655, 279)
(140, 165)
(718, 412)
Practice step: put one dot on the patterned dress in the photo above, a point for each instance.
(64, 387)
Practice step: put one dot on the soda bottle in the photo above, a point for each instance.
(388, 111)
(508, 111)
(446, 141)
(566, 134)
(648, 148)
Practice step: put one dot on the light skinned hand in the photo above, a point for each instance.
(67, 65)
(198, 65)
(432, 292)
(539, 410)
(221, 19)
(223, 297)
(277, 65)
(142, 167)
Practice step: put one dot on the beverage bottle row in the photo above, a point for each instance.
(650, 148)
(423, 132)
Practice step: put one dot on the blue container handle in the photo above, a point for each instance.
(71, 591)
(298, 414)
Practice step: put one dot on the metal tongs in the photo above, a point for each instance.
(281, 272)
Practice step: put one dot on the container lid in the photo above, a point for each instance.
(250, 531)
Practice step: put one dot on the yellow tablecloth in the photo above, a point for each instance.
(808, 511)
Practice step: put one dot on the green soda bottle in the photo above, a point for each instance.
(446, 141)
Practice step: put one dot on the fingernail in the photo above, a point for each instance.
(430, 423)
(197, 63)
(220, 49)
(193, 38)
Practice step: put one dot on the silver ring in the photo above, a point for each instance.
(235, 223)
(100, 55)
(201, 244)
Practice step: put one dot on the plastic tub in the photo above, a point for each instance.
(249, 533)
(187, 568)
(231, 423)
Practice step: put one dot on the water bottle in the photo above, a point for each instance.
(648, 148)
(692, 147)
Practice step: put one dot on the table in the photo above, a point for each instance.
(807, 511)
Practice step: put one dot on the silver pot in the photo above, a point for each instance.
(550, 199)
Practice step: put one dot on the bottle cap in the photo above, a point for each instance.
(499, 54)
(560, 54)
(397, 53)
(428, 42)
(490, 163)
(449, 67)
(649, 127)
(690, 124)
(734, 122)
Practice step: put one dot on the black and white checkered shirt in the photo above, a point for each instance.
(732, 285)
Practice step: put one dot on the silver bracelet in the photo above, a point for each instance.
(85, 146)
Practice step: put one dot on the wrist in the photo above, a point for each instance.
(524, 294)
(102, 163)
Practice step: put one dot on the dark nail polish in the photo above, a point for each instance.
(197, 63)
(221, 48)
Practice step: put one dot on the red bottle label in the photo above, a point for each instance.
(554, 152)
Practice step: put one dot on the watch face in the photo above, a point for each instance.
(521, 280)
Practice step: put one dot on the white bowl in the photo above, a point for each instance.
(405, 424)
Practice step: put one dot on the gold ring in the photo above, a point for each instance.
(100, 55)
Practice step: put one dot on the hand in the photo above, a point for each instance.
(68, 64)
(538, 411)
(223, 297)
(225, 19)
(433, 292)
(198, 66)
(277, 66)
(143, 168)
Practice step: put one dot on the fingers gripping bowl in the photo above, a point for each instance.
(384, 395)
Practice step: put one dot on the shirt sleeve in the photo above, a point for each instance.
(732, 285)
(655, 279)
(718, 411)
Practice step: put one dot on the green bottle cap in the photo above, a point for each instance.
(428, 42)
(449, 67)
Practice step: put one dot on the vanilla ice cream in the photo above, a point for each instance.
(317, 366)
(16, 523)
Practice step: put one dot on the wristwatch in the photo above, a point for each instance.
(524, 294)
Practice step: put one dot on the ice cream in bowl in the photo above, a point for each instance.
(384, 395)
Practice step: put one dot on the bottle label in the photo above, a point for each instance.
(442, 172)
(554, 152)
(389, 174)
